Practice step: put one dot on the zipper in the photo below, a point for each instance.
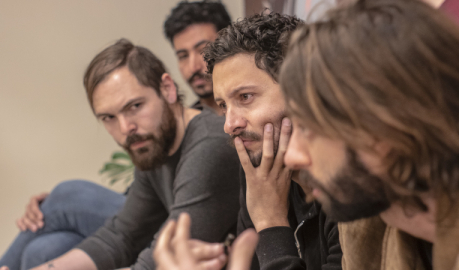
(297, 243)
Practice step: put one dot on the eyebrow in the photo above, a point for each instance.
(236, 91)
(124, 108)
(205, 41)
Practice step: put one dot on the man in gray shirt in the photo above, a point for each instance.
(183, 163)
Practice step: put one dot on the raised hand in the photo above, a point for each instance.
(33, 217)
(175, 251)
(268, 185)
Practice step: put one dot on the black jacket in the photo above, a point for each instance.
(317, 236)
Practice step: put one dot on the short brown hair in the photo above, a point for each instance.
(387, 70)
(146, 67)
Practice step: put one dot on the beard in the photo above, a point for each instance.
(364, 194)
(203, 91)
(155, 154)
(255, 156)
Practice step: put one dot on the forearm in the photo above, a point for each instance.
(276, 250)
(75, 259)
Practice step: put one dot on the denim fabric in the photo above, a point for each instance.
(74, 210)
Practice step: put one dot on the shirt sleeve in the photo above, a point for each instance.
(206, 186)
(277, 250)
(124, 236)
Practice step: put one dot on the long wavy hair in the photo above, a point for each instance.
(386, 70)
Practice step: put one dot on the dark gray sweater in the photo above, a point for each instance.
(200, 179)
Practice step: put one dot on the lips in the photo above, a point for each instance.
(138, 144)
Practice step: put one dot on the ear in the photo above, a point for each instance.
(168, 89)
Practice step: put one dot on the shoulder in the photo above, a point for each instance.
(206, 127)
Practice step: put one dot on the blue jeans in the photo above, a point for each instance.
(73, 211)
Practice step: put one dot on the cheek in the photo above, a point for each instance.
(115, 132)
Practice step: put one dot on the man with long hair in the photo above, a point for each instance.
(373, 94)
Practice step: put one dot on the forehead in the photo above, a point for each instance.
(194, 34)
(117, 89)
(240, 72)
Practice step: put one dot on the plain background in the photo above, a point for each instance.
(47, 131)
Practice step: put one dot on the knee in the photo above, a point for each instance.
(72, 189)
(68, 193)
(47, 247)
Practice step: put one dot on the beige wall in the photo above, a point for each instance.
(47, 131)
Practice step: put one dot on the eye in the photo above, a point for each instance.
(107, 118)
(135, 106)
(182, 57)
(222, 105)
(246, 96)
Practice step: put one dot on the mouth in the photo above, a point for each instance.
(248, 143)
(138, 144)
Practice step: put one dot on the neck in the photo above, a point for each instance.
(413, 221)
(183, 117)
(210, 102)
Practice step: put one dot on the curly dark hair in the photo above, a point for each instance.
(186, 14)
(264, 35)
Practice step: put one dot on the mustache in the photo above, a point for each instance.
(244, 135)
(197, 75)
(131, 139)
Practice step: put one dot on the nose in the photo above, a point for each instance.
(196, 62)
(234, 121)
(297, 156)
(127, 126)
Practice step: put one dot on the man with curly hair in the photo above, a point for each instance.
(189, 27)
(244, 62)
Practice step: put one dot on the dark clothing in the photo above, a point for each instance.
(198, 179)
(425, 252)
(277, 249)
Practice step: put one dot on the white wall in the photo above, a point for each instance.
(47, 131)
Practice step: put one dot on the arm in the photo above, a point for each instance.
(268, 185)
(75, 259)
(267, 204)
(206, 186)
(119, 242)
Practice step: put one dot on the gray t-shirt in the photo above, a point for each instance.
(201, 178)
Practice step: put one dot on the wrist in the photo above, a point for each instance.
(265, 224)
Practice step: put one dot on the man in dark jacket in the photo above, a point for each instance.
(244, 62)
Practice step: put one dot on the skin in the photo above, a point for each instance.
(188, 46)
(323, 157)
(126, 107)
(252, 101)
(175, 251)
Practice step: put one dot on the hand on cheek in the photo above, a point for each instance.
(268, 185)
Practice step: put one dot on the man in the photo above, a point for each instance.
(373, 95)
(189, 27)
(244, 62)
(182, 161)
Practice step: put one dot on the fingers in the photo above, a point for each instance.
(243, 156)
(284, 138)
(30, 225)
(268, 151)
(243, 250)
(214, 264)
(162, 254)
(4, 268)
(205, 251)
(21, 225)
